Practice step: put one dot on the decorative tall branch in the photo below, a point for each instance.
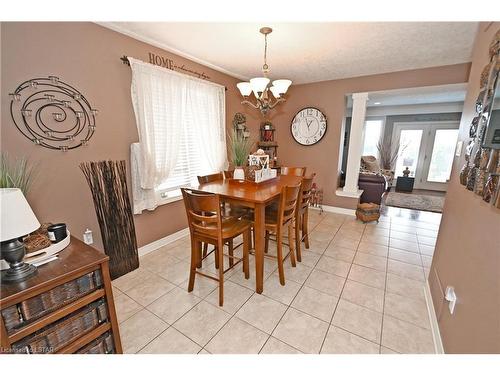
(108, 185)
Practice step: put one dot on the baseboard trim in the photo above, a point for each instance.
(337, 210)
(155, 245)
(436, 335)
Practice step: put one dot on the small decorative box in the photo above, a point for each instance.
(368, 212)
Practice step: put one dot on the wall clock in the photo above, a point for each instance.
(308, 126)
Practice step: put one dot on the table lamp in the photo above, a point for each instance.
(16, 220)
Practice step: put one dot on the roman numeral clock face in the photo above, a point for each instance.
(308, 126)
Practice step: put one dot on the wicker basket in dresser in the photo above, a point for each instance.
(66, 308)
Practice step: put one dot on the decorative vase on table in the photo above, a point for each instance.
(239, 173)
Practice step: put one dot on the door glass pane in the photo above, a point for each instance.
(373, 130)
(442, 155)
(409, 148)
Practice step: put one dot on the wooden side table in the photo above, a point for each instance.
(405, 184)
(67, 307)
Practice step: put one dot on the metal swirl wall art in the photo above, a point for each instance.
(52, 114)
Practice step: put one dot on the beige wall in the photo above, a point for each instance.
(467, 253)
(87, 56)
(329, 96)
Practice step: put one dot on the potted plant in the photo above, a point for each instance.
(388, 154)
(16, 174)
(239, 150)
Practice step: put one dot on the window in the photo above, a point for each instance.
(182, 133)
(372, 135)
(189, 165)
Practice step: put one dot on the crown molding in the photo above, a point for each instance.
(153, 42)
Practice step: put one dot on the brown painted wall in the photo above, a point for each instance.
(329, 96)
(467, 252)
(87, 56)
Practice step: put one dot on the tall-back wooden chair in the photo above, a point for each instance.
(210, 178)
(302, 215)
(207, 225)
(280, 220)
(293, 171)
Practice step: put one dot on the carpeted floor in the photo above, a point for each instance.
(415, 201)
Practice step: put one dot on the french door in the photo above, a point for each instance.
(427, 149)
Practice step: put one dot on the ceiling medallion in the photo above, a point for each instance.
(260, 85)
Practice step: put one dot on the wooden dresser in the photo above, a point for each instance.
(66, 308)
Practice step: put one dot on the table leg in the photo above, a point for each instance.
(259, 228)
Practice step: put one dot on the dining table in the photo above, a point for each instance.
(255, 196)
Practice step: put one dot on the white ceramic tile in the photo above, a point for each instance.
(333, 266)
(358, 320)
(149, 289)
(171, 341)
(275, 346)
(325, 282)
(363, 295)
(405, 256)
(125, 307)
(367, 276)
(262, 312)
(237, 337)
(405, 270)
(315, 303)
(410, 310)
(139, 330)
(174, 304)
(371, 261)
(202, 322)
(405, 337)
(234, 297)
(339, 341)
(281, 293)
(301, 331)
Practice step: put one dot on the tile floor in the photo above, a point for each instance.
(359, 289)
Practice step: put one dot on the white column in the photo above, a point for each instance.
(355, 144)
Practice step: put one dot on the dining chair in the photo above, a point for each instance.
(277, 222)
(228, 174)
(210, 178)
(293, 171)
(208, 225)
(302, 215)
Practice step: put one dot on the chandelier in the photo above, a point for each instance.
(260, 85)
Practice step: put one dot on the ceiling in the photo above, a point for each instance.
(413, 96)
(310, 52)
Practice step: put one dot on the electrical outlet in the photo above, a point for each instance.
(451, 297)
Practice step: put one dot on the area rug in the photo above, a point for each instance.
(415, 201)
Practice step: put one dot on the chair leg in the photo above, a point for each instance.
(198, 255)
(266, 247)
(216, 258)
(297, 238)
(194, 263)
(291, 245)
(220, 257)
(279, 251)
(246, 250)
(205, 249)
(305, 230)
(230, 247)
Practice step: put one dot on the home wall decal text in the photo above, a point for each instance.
(170, 64)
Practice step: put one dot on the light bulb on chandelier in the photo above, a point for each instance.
(260, 85)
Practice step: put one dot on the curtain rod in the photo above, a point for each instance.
(125, 61)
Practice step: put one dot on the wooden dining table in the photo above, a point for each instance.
(256, 196)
